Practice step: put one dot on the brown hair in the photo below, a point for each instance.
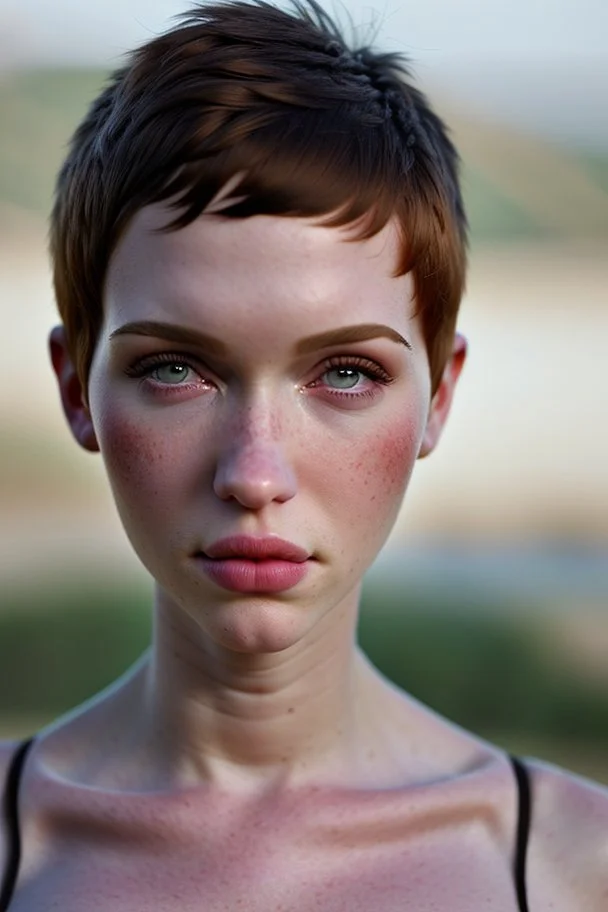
(316, 127)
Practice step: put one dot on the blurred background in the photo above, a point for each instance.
(490, 601)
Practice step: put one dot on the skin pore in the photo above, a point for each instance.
(265, 377)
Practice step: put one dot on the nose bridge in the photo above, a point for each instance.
(253, 466)
(258, 421)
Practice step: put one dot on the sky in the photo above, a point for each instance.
(518, 30)
(543, 62)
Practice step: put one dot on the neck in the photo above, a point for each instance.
(229, 717)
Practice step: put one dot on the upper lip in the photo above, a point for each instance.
(251, 548)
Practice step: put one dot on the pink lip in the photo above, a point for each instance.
(241, 563)
(256, 549)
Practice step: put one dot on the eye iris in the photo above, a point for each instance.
(171, 373)
(346, 377)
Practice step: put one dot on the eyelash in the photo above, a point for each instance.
(373, 371)
(145, 366)
(370, 369)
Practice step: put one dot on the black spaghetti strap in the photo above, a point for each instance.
(523, 831)
(11, 816)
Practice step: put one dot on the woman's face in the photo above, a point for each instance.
(263, 378)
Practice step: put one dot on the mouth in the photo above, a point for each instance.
(237, 574)
(255, 565)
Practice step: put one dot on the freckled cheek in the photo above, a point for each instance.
(396, 454)
(373, 471)
(139, 461)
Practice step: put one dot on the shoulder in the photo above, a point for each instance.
(7, 751)
(568, 848)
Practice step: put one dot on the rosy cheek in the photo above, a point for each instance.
(387, 469)
(368, 482)
(396, 453)
(131, 453)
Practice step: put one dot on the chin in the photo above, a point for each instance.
(249, 625)
(255, 626)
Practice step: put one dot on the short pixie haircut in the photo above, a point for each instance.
(315, 127)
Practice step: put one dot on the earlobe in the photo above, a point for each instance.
(73, 396)
(442, 400)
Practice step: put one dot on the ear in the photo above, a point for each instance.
(73, 396)
(442, 400)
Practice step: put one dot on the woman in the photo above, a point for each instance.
(259, 247)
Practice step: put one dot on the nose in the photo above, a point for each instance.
(253, 469)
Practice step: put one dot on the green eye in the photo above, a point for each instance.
(343, 377)
(173, 373)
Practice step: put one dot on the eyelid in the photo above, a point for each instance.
(360, 362)
(146, 363)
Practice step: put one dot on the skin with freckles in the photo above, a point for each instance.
(268, 378)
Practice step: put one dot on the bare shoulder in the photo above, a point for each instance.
(568, 850)
(7, 750)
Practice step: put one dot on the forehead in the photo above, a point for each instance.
(271, 264)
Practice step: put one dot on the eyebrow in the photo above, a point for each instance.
(343, 335)
(347, 334)
(172, 333)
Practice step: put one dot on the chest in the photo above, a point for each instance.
(443, 870)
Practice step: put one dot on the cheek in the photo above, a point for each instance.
(396, 454)
(370, 477)
(386, 463)
(128, 452)
(140, 464)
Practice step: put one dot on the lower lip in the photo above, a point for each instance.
(241, 575)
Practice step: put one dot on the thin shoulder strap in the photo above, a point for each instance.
(522, 778)
(11, 815)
